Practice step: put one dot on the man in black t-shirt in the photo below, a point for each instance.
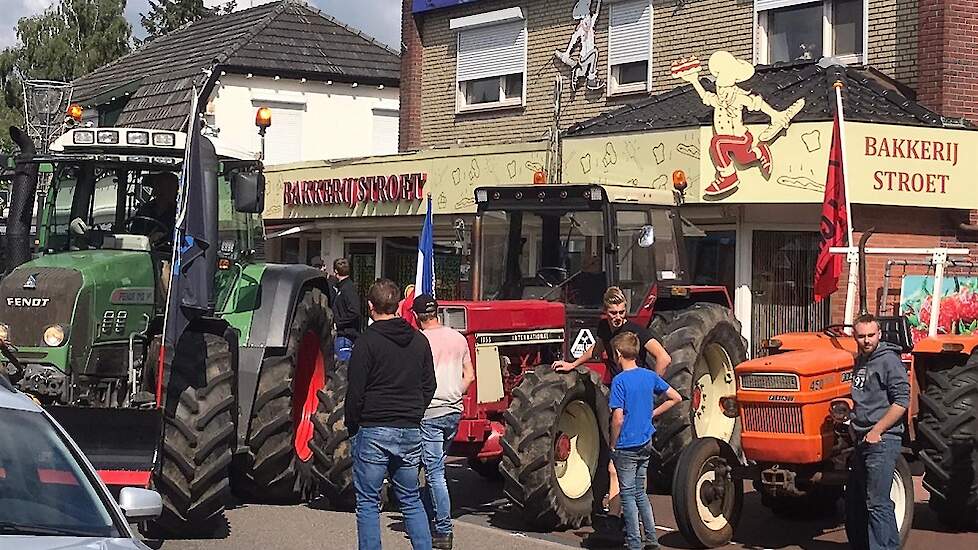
(616, 308)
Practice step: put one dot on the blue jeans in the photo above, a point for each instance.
(437, 435)
(343, 348)
(632, 465)
(870, 520)
(394, 453)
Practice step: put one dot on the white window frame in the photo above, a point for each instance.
(636, 87)
(460, 25)
(760, 24)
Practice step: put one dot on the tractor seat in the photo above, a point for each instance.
(896, 330)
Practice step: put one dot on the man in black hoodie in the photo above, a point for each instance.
(880, 396)
(391, 383)
(346, 309)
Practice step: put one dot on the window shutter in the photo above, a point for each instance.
(494, 50)
(629, 31)
(764, 5)
(385, 132)
(283, 142)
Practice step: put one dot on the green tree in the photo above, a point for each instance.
(70, 39)
(168, 15)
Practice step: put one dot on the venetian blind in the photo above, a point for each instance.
(629, 31)
(493, 50)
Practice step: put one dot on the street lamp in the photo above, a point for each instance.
(263, 119)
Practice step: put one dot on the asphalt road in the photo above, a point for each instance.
(486, 521)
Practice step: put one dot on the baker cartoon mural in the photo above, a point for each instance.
(586, 65)
(732, 142)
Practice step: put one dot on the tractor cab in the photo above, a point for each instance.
(569, 243)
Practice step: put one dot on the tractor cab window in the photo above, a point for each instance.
(646, 251)
(552, 255)
(117, 206)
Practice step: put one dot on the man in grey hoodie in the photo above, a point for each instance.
(880, 396)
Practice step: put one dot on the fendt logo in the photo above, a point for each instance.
(31, 283)
(27, 302)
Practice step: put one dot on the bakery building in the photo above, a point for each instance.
(370, 210)
(752, 151)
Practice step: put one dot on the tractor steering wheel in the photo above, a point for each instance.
(153, 222)
(551, 276)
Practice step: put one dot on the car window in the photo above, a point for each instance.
(41, 484)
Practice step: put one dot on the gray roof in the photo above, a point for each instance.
(867, 96)
(16, 400)
(286, 38)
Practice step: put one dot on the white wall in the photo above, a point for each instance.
(319, 121)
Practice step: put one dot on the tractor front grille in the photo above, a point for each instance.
(769, 381)
(785, 419)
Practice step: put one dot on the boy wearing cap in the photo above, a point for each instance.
(453, 374)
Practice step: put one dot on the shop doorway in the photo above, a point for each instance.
(712, 258)
(363, 270)
(783, 268)
(400, 263)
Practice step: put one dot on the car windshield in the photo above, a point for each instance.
(527, 254)
(43, 489)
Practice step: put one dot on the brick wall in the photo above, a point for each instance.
(900, 227)
(948, 82)
(893, 38)
(409, 136)
(676, 33)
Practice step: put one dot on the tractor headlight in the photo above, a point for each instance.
(840, 410)
(4, 332)
(54, 335)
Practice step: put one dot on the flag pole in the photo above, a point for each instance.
(852, 283)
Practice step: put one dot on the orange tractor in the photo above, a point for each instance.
(793, 405)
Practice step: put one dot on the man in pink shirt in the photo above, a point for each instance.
(453, 374)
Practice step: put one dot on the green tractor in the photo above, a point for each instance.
(85, 311)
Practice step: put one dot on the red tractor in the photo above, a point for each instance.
(544, 256)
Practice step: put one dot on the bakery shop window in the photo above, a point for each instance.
(791, 30)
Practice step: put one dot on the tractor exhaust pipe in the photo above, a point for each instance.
(863, 310)
(22, 195)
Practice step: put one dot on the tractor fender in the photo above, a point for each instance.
(731, 450)
(281, 286)
(280, 289)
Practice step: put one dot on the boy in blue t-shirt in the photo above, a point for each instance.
(632, 398)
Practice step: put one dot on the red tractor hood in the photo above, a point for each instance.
(510, 315)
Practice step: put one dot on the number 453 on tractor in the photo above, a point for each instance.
(794, 406)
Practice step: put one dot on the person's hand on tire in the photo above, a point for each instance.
(562, 366)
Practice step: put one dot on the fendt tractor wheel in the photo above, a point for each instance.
(707, 498)
(333, 462)
(553, 446)
(198, 438)
(902, 495)
(948, 432)
(705, 344)
(281, 420)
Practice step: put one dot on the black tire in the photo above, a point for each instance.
(198, 437)
(275, 471)
(698, 460)
(487, 469)
(529, 466)
(332, 463)
(821, 502)
(948, 433)
(686, 334)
